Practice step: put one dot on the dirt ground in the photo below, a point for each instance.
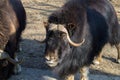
(32, 49)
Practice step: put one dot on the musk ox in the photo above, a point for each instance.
(12, 23)
(76, 34)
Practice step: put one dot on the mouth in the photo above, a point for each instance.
(51, 63)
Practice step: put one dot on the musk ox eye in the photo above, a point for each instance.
(61, 35)
(50, 41)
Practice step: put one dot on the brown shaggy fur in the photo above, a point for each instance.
(12, 23)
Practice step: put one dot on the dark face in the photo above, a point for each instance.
(55, 43)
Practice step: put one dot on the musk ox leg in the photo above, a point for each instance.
(118, 51)
(70, 77)
(17, 67)
(11, 48)
(84, 73)
(98, 59)
(19, 48)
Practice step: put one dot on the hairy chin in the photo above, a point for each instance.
(66, 67)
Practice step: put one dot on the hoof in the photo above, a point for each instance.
(96, 62)
(118, 61)
(19, 49)
(17, 69)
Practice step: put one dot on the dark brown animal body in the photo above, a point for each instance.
(12, 23)
(90, 23)
(111, 18)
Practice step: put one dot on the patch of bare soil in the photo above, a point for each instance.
(32, 49)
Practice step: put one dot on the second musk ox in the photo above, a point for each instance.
(12, 23)
(76, 34)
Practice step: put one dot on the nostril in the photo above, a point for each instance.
(49, 61)
(47, 58)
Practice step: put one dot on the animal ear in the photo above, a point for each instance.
(62, 34)
(70, 25)
(45, 23)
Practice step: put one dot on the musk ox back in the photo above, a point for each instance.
(76, 34)
(12, 23)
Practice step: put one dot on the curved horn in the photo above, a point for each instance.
(62, 28)
(4, 55)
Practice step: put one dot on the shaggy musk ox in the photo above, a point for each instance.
(76, 34)
(12, 23)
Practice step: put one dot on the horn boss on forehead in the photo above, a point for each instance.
(63, 29)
